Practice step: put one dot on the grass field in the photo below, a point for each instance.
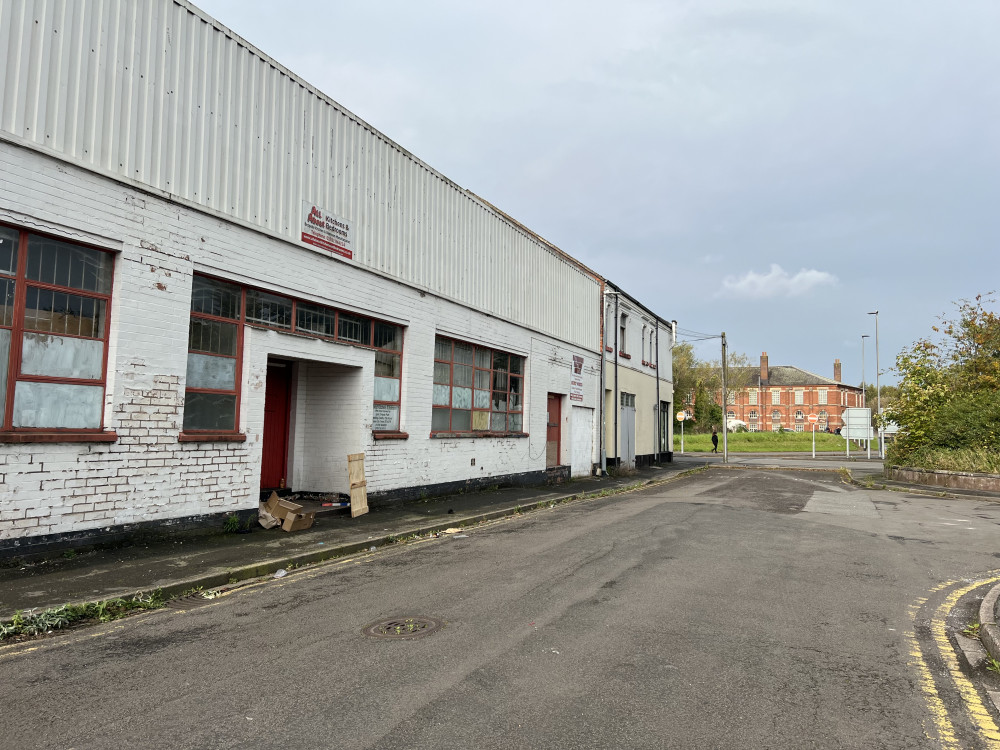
(763, 442)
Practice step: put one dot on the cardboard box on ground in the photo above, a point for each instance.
(284, 512)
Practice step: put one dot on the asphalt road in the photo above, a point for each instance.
(738, 608)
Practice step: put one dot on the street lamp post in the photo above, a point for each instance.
(878, 391)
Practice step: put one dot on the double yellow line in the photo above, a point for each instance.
(977, 711)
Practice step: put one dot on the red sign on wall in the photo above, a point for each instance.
(327, 231)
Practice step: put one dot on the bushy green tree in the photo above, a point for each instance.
(949, 392)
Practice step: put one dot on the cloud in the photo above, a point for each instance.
(777, 282)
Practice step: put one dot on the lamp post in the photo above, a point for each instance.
(878, 391)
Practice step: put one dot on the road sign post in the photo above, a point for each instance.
(680, 418)
(812, 420)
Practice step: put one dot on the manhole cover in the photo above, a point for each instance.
(188, 601)
(403, 627)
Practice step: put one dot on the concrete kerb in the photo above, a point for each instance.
(263, 568)
(989, 633)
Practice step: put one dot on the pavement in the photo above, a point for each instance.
(187, 562)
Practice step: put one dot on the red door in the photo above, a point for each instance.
(553, 422)
(277, 400)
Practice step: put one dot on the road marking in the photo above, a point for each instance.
(939, 714)
(977, 711)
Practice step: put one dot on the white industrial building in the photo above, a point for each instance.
(214, 280)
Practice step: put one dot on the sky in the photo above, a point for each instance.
(774, 169)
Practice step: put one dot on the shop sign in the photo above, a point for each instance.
(576, 380)
(385, 417)
(327, 231)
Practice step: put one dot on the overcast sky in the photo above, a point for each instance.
(774, 169)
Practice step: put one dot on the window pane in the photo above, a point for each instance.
(210, 411)
(205, 371)
(56, 262)
(499, 400)
(389, 337)
(212, 336)
(515, 402)
(61, 312)
(515, 385)
(482, 400)
(515, 423)
(517, 365)
(58, 405)
(461, 398)
(442, 395)
(6, 302)
(461, 421)
(213, 297)
(498, 422)
(442, 348)
(8, 250)
(315, 319)
(463, 353)
(481, 420)
(386, 365)
(4, 359)
(386, 389)
(499, 381)
(353, 328)
(269, 309)
(462, 374)
(62, 357)
(484, 358)
(441, 420)
(500, 361)
(442, 373)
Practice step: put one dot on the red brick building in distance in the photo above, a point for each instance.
(784, 397)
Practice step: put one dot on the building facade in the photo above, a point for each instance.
(216, 280)
(638, 382)
(783, 397)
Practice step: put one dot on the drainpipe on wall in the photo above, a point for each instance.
(614, 404)
(659, 415)
(602, 426)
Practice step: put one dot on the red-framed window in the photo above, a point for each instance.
(220, 309)
(476, 389)
(55, 300)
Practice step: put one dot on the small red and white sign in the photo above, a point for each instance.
(327, 232)
(576, 379)
(813, 418)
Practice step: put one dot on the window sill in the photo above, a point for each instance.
(467, 435)
(211, 437)
(66, 436)
(391, 435)
(623, 355)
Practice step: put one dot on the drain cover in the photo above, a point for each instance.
(403, 628)
(189, 601)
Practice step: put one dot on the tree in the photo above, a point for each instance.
(948, 395)
(684, 373)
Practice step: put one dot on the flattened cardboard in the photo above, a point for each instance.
(287, 513)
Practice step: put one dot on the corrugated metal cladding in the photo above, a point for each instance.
(155, 92)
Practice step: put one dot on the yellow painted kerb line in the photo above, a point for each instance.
(939, 714)
(977, 711)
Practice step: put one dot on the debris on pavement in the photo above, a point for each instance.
(285, 512)
(280, 573)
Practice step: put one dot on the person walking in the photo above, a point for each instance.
(715, 441)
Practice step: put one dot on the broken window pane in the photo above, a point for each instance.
(58, 405)
(206, 371)
(210, 411)
(62, 356)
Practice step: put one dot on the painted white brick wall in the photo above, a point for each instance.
(147, 474)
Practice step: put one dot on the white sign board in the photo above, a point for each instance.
(327, 232)
(576, 379)
(857, 424)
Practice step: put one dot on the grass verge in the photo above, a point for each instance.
(765, 442)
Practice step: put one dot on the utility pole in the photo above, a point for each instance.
(878, 392)
(725, 404)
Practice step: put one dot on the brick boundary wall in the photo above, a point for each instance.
(962, 480)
